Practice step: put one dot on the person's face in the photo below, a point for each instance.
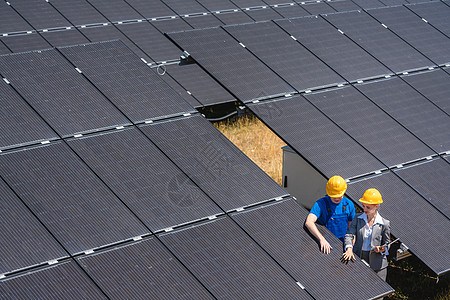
(336, 200)
(369, 209)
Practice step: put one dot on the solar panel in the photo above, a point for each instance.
(20, 124)
(25, 42)
(144, 179)
(115, 10)
(411, 110)
(343, 5)
(436, 13)
(316, 138)
(433, 85)
(315, 8)
(366, 4)
(384, 45)
(286, 57)
(248, 3)
(244, 75)
(410, 216)
(62, 281)
(62, 96)
(278, 228)
(263, 14)
(74, 205)
(430, 179)
(376, 131)
(416, 32)
(335, 49)
(203, 21)
(11, 21)
(200, 84)
(108, 33)
(229, 263)
(185, 7)
(78, 12)
(151, 41)
(151, 8)
(393, 2)
(60, 38)
(3, 48)
(447, 158)
(217, 5)
(142, 270)
(238, 17)
(291, 11)
(220, 169)
(40, 14)
(25, 242)
(111, 66)
(171, 25)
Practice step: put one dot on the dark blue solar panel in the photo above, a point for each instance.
(3, 48)
(412, 110)
(415, 221)
(226, 174)
(416, 32)
(430, 179)
(230, 264)
(288, 58)
(217, 5)
(151, 8)
(74, 205)
(185, 7)
(315, 8)
(343, 5)
(25, 42)
(62, 281)
(25, 242)
(111, 66)
(115, 10)
(366, 4)
(278, 228)
(263, 14)
(384, 45)
(11, 21)
(228, 62)
(334, 48)
(171, 25)
(78, 12)
(142, 270)
(436, 13)
(203, 21)
(375, 130)
(40, 14)
(238, 17)
(249, 3)
(20, 124)
(291, 11)
(63, 97)
(144, 178)
(311, 134)
(60, 38)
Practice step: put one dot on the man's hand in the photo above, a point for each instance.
(325, 247)
(348, 255)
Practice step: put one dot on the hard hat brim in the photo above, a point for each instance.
(337, 195)
(367, 202)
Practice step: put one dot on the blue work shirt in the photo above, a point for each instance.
(337, 218)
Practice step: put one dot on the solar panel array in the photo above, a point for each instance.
(123, 190)
(369, 91)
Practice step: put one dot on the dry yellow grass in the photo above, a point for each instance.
(257, 141)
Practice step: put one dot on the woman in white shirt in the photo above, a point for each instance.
(369, 235)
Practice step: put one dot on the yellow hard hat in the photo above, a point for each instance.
(371, 196)
(336, 186)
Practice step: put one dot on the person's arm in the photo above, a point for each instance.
(310, 223)
(349, 241)
(385, 239)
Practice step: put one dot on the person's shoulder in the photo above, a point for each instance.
(386, 222)
(322, 200)
(348, 201)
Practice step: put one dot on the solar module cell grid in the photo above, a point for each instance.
(142, 270)
(412, 110)
(25, 242)
(430, 179)
(228, 62)
(278, 228)
(151, 8)
(171, 25)
(291, 11)
(74, 205)
(230, 18)
(62, 281)
(129, 83)
(78, 12)
(40, 14)
(115, 10)
(315, 8)
(25, 42)
(20, 124)
(366, 4)
(436, 13)
(230, 264)
(316, 138)
(248, 3)
(203, 21)
(144, 179)
(64, 37)
(376, 131)
(62, 96)
(334, 48)
(343, 5)
(434, 85)
(384, 45)
(415, 31)
(263, 14)
(221, 170)
(185, 7)
(286, 57)
(217, 5)
(3, 48)
(11, 21)
(410, 216)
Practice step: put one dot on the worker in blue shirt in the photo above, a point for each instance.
(334, 211)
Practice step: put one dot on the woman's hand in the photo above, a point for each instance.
(379, 249)
(348, 255)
